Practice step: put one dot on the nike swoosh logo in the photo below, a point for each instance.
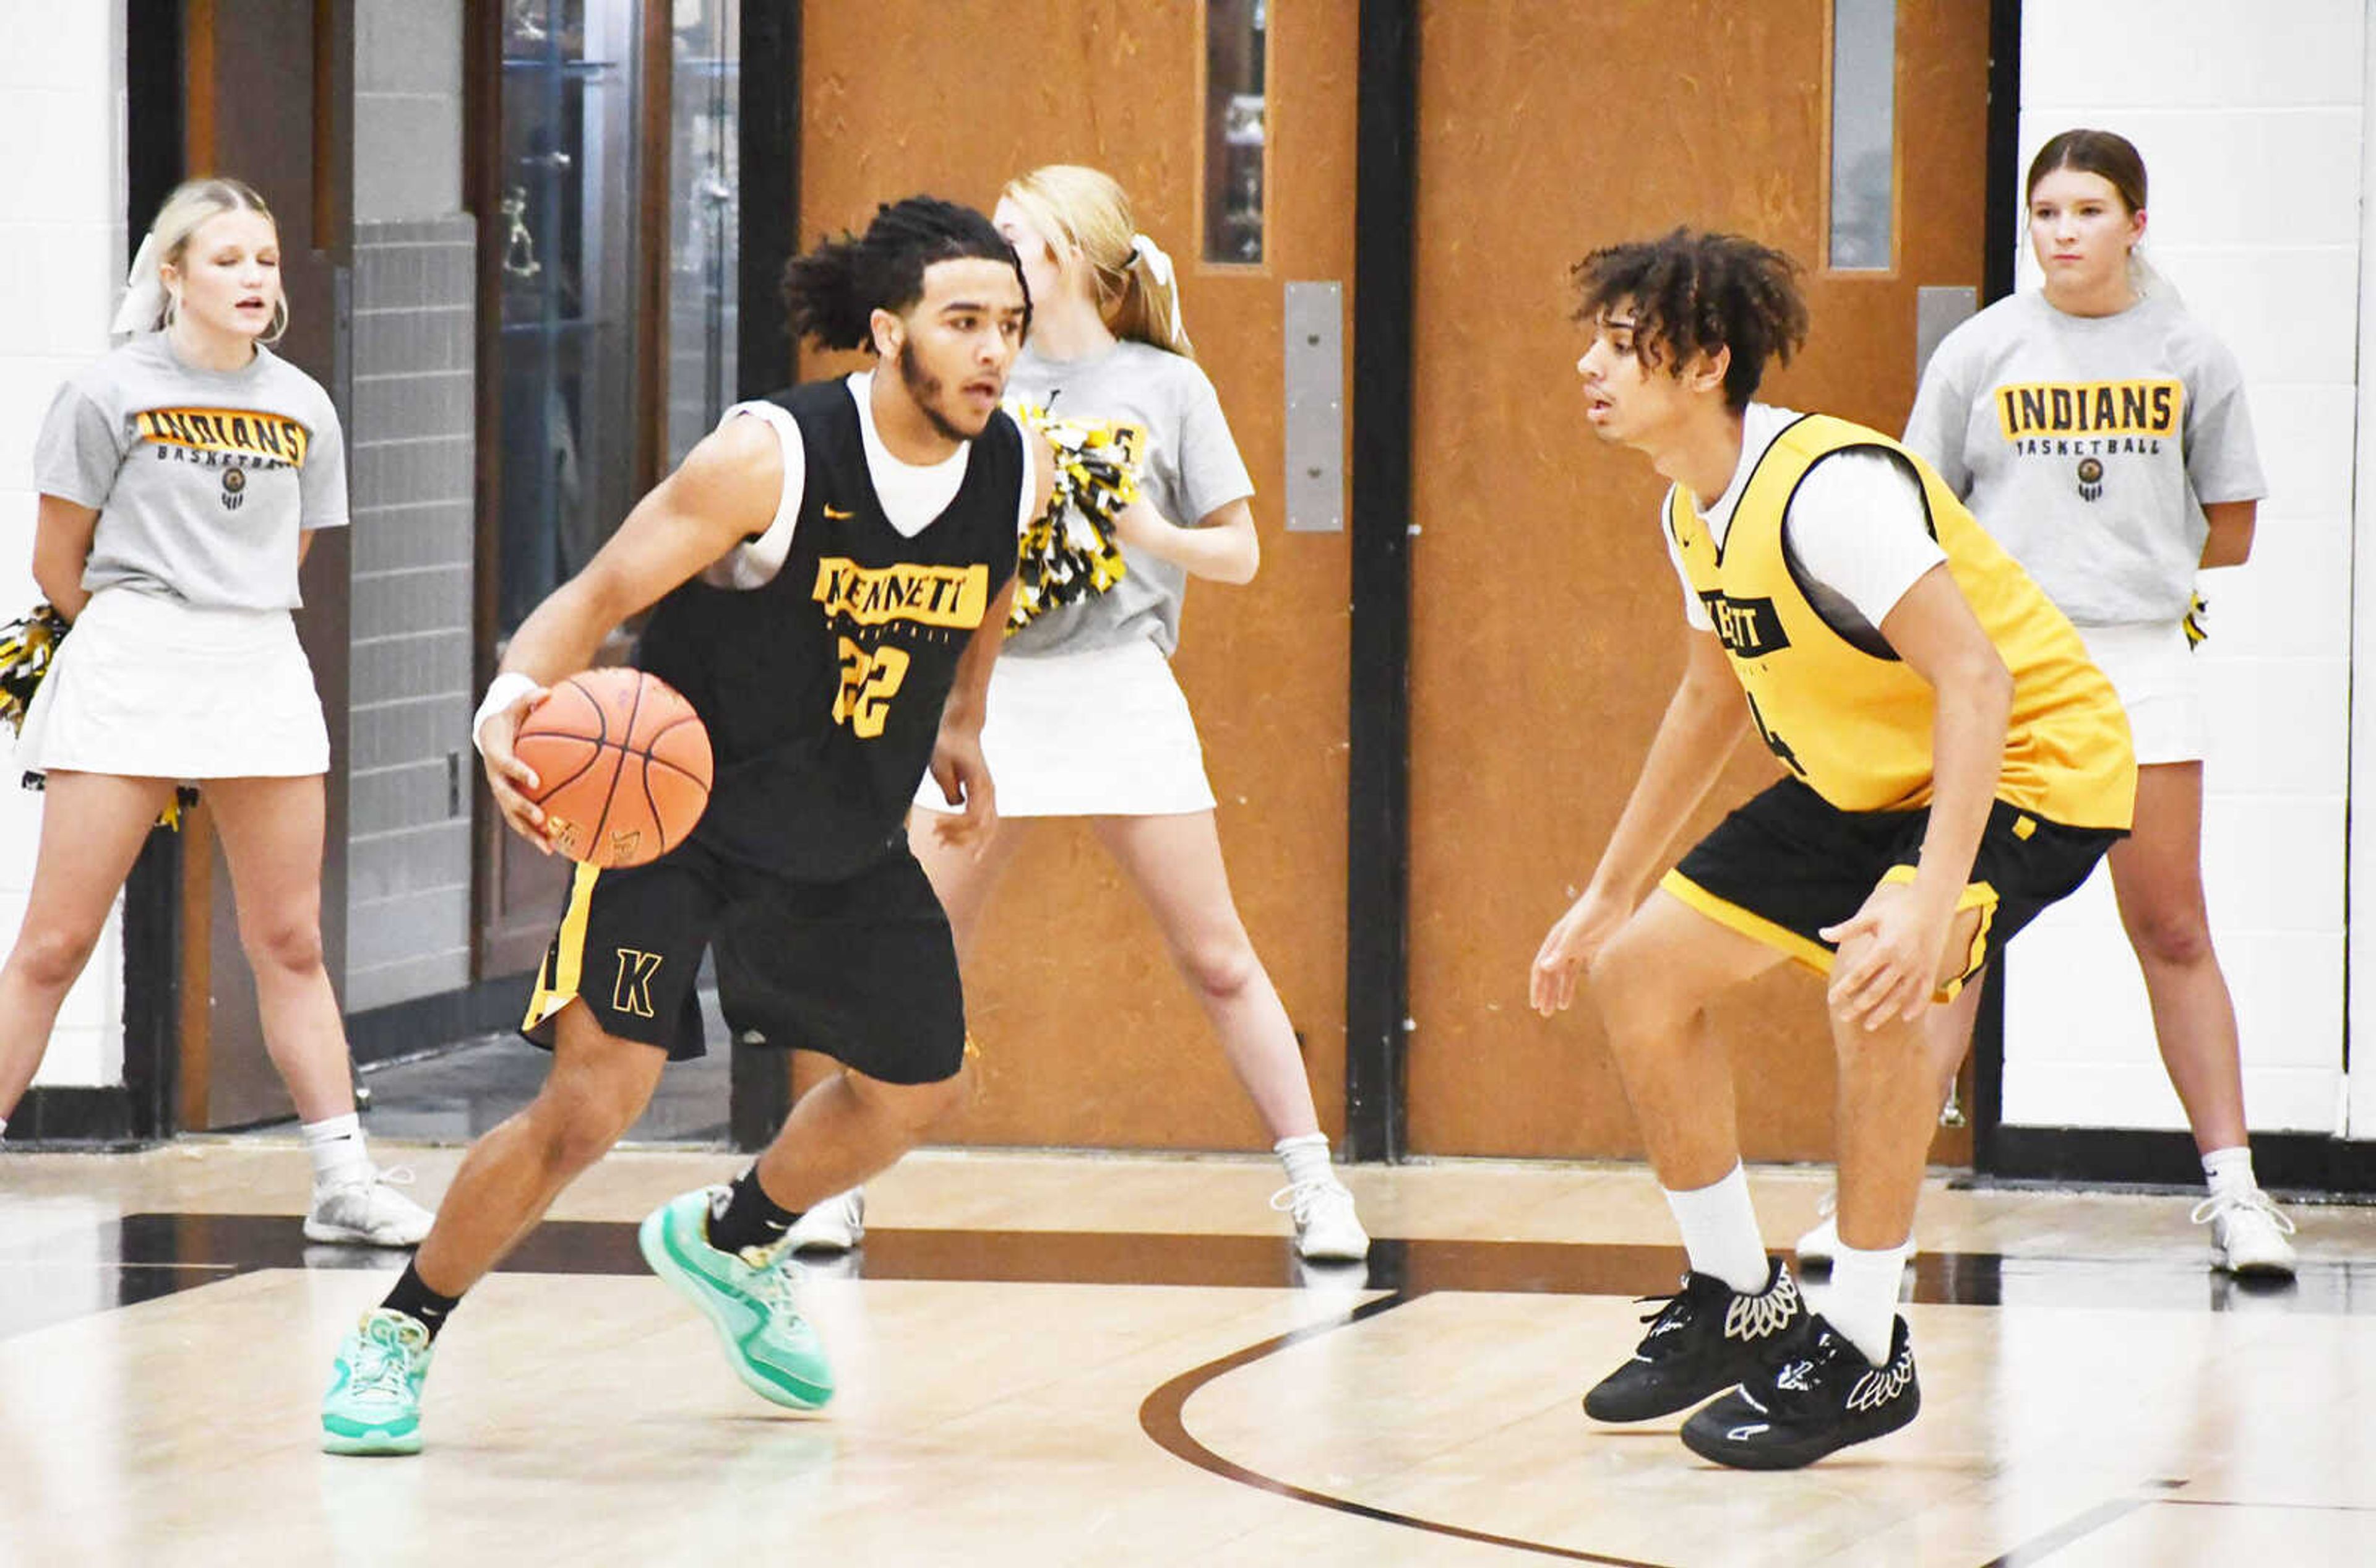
(836, 513)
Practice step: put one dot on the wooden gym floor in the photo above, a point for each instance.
(1050, 1360)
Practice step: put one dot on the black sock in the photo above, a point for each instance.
(748, 1218)
(418, 1302)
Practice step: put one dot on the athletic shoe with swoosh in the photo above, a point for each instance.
(747, 1296)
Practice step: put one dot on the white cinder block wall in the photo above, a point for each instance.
(62, 256)
(2250, 121)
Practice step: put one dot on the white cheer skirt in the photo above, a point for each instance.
(148, 687)
(1106, 734)
(2154, 669)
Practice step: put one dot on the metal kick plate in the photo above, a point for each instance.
(1314, 325)
(1937, 310)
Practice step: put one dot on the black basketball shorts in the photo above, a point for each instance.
(864, 969)
(1789, 862)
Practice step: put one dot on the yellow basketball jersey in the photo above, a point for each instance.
(1856, 726)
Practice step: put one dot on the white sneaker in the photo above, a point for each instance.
(369, 1213)
(834, 1226)
(2248, 1234)
(1327, 1230)
(1818, 1246)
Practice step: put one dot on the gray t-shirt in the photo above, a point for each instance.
(1191, 467)
(2088, 446)
(202, 479)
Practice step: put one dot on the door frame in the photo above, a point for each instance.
(506, 943)
(1377, 804)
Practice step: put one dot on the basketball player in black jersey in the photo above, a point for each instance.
(831, 582)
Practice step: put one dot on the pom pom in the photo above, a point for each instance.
(1070, 552)
(27, 647)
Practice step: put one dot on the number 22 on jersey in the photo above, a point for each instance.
(870, 679)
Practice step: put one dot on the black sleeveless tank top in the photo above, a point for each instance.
(823, 689)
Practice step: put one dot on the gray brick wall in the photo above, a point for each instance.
(408, 109)
(411, 461)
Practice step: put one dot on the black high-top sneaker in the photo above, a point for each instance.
(1806, 1406)
(1703, 1339)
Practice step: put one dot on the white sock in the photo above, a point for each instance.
(1719, 1230)
(4, 1126)
(336, 1144)
(1862, 1305)
(1305, 1156)
(2229, 1171)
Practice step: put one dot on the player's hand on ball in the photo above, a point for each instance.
(1890, 955)
(963, 775)
(1575, 941)
(508, 776)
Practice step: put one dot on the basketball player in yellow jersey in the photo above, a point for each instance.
(1951, 763)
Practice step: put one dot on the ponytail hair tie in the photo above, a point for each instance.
(145, 299)
(1159, 268)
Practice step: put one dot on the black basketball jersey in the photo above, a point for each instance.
(823, 689)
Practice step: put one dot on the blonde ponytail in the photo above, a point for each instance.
(1149, 308)
(1083, 209)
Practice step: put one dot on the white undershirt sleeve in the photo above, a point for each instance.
(754, 563)
(1023, 508)
(1859, 527)
(1695, 614)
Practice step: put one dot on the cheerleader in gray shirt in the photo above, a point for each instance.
(180, 481)
(2101, 434)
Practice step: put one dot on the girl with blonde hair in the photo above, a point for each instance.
(182, 478)
(1086, 719)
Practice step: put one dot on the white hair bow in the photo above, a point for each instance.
(1159, 267)
(143, 309)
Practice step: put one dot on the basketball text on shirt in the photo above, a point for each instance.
(226, 433)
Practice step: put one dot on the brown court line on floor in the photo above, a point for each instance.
(1160, 1416)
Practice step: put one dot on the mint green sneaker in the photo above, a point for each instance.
(374, 1403)
(747, 1295)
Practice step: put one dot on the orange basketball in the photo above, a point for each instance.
(623, 763)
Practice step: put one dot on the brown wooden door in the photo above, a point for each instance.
(262, 104)
(1088, 1037)
(1547, 631)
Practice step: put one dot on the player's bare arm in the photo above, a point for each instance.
(1893, 949)
(1704, 722)
(1043, 471)
(958, 766)
(724, 492)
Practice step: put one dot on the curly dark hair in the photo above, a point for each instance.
(1694, 292)
(832, 294)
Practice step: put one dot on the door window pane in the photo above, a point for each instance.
(1864, 131)
(704, 174)
(1236, 34)
(566, 226)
